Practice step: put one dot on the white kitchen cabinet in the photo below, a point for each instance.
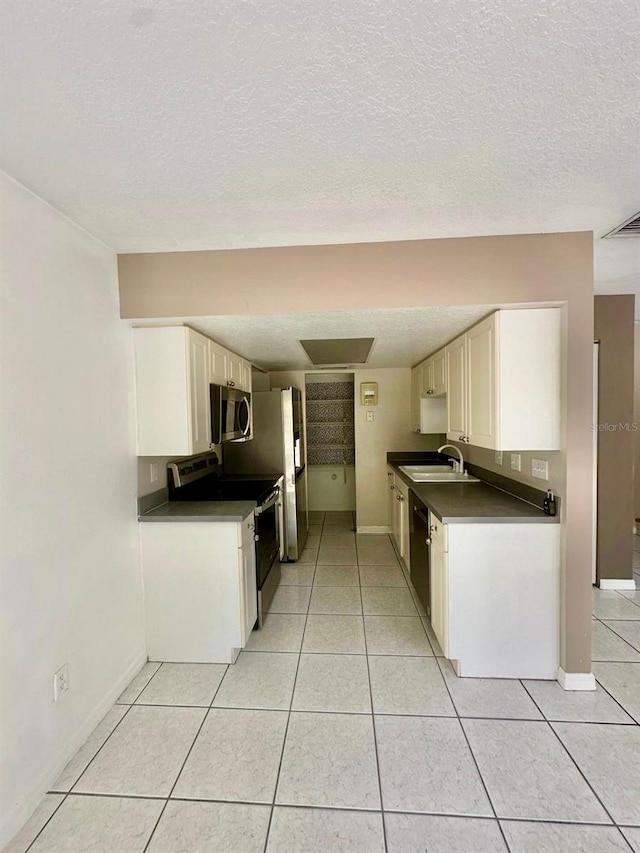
(200, 595)
(495, 602)
(416, 394)
(199, 397)
(235, 373)
(439, 373)
(439, 583)
(402, 500)
(172, 391)
(246, 382)
(503, 381)
(391, 501)
(249, 594)
(428, 413)
(174, 367)
(456, 388)
(433, 375)
(398, 505)
(217, 364)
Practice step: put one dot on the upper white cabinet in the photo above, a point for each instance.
(504, 382)
(217, 364)
(174, 366)
(235, 371)
(428, 386)
(433, 375)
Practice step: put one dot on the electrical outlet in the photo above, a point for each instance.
(154, 472)
(540, 469)
(498, 457)
(516, 462)
(370, 414)
(60, 681)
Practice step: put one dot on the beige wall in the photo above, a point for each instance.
(636, 408)
(390, 430)
(462, 271)
(614, 329)
(486, 459)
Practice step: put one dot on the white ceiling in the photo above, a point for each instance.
(180, 124)
(403, 336)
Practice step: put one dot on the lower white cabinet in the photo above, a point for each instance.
(495, 598)
(439, 585)
(200, 595)
(399, 513)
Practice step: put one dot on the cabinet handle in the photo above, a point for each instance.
(391, 488)
(427, 541)
(432, 529)
(256, 538)
(231, 384)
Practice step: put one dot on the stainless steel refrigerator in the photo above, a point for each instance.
(277, 447)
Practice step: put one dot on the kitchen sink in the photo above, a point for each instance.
(435, 474)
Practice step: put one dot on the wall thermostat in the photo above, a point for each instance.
(368, 393)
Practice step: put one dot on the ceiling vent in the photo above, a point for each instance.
(630, 228)
(338, 351)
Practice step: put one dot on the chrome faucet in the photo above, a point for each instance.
(457, 466)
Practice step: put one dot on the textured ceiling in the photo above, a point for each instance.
(403, 336)
(180, 124)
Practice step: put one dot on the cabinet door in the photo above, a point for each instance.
(234, 370)
(217, 364)
(426, 379)
(199, 400)
(481, 385)
(246, 376)
(403, 502)
(415, 399)
(439, 366)
(248, 580)
(456, 390)
(439, 584)
(391, 498)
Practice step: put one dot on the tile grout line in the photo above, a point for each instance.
(473, 757)
(359, 809)
(66, 794)
(286, 731)
(603, 623)
(373, 722)
(577, 766)
(182, 766)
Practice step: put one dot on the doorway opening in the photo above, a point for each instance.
(330, 441)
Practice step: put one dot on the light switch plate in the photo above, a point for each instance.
(540, 469)
(498, 457)
(370, 414)
(516, 462)
(153, 472)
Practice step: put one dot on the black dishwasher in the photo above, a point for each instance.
(419, 557)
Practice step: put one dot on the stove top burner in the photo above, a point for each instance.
(213, 488)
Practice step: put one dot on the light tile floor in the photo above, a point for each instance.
(343, 728)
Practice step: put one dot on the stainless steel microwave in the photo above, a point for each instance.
(230, 414)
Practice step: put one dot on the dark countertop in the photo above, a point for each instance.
(200, 511)
(469, 503)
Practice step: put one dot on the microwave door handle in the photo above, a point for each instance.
(248, 426)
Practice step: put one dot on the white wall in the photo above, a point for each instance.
(71, 583)
(389, 430)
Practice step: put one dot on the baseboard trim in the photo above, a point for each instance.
(576, 680)
(15, 818)
(620, 583)
(374, 529)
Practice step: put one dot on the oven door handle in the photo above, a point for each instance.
(273, 497)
